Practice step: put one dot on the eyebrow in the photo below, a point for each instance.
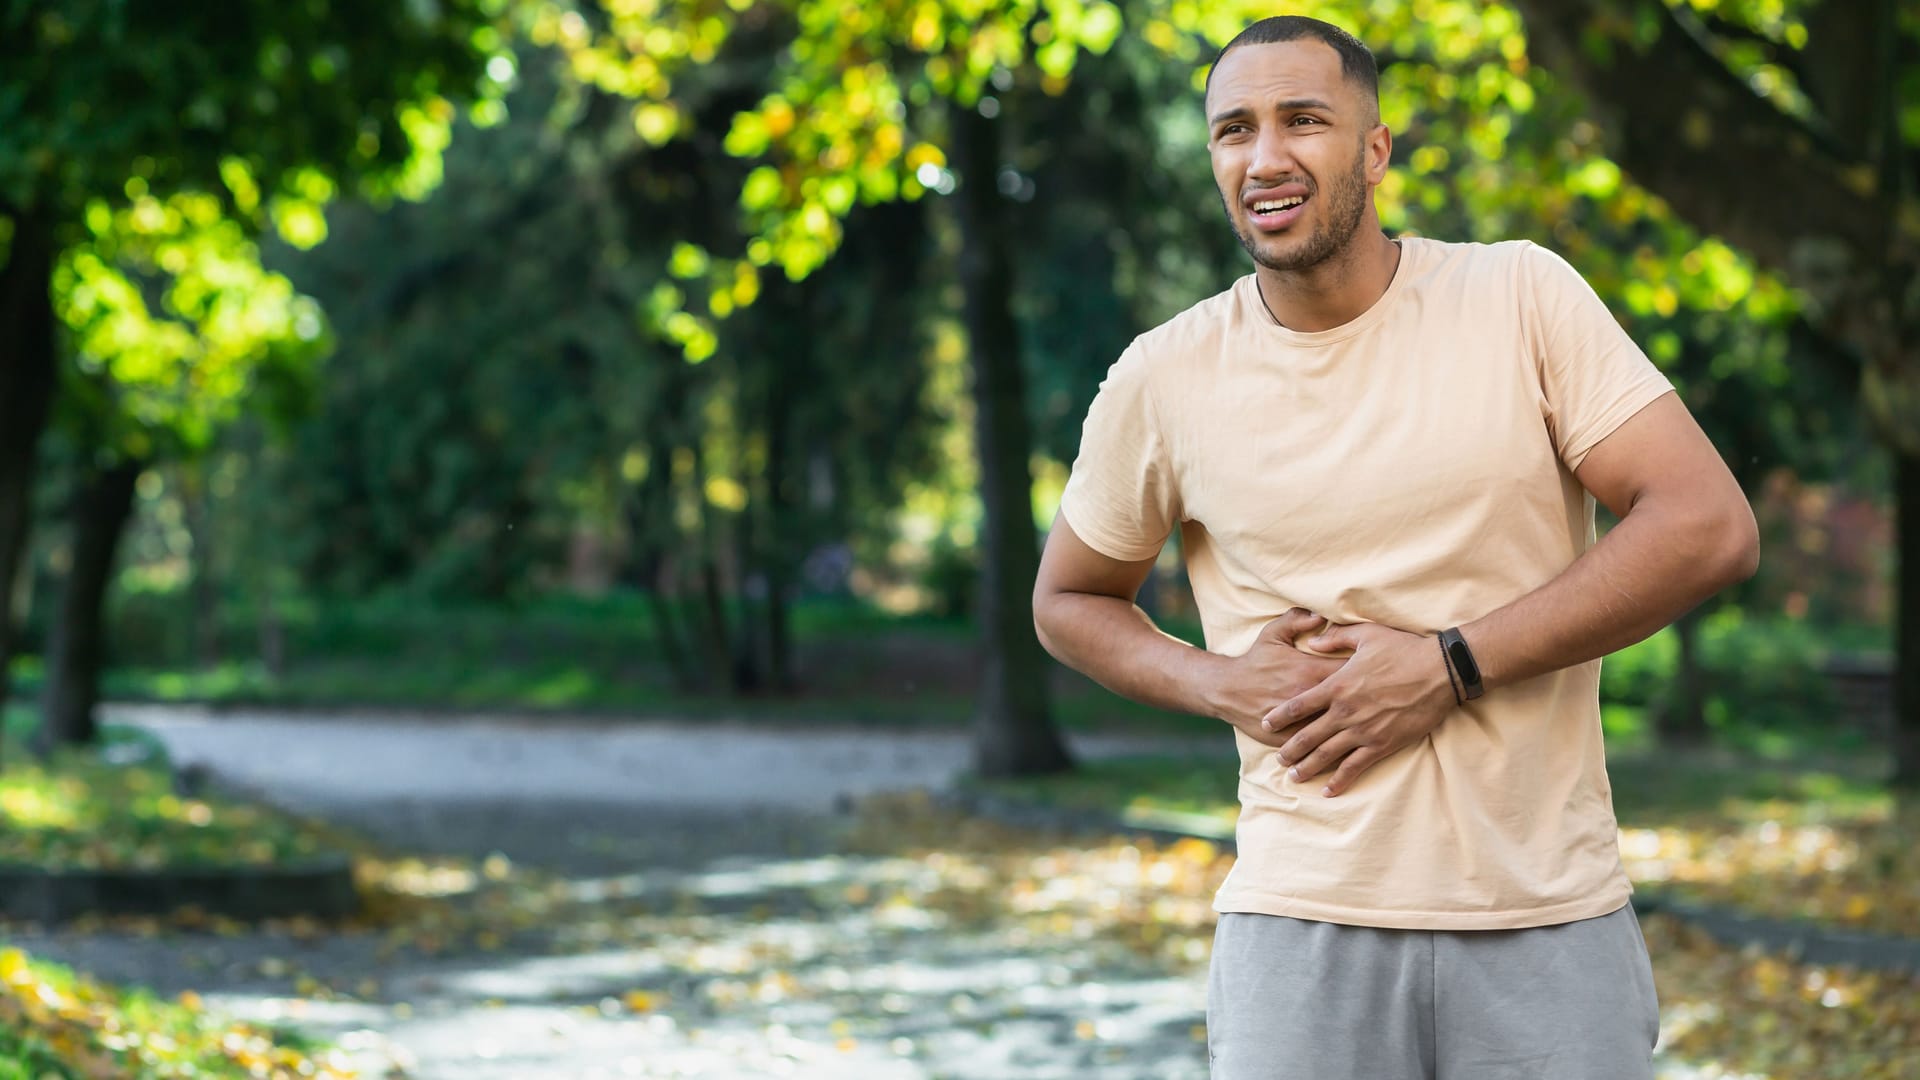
(1290, 105)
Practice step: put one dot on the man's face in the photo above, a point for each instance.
(1296, 151)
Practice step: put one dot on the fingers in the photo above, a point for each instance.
(1356, 763)
(1289, 626)
(1338, 637)
(1324, 756)
(1298, 621)
(1301, 706)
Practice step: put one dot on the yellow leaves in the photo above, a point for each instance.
(1845, 864)
(240, 184)
(687, 261)
(746, 284)
(301, 223)
(1428, 159)
(13, 967)
(95, 1032)
(924, 154)
(656, 122)
(642, 1001)
(925, 33)
(763, 189)
(1597, 178)
(1757, 1014)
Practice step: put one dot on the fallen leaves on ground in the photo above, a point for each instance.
(1831, 845)
(1852, 866)
(1761, 1015)
(931, 935)
(56, 1024)
(1748, 1013)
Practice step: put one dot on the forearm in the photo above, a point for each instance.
(1117, 645)
(1663, 558)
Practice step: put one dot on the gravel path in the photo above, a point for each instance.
(684, 903)
(330, 762)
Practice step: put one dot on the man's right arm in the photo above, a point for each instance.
(1084, 614)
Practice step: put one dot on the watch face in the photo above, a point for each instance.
(1463, 661)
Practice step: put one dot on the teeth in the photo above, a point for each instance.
(1270, 205)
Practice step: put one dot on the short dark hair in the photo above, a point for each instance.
(1356, 60)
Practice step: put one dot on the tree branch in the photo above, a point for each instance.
(1689, 131)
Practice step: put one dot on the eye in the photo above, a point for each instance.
(1298, 120)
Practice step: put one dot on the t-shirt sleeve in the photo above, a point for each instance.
(1120, 497)
(1592, 374)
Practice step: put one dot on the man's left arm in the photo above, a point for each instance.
(1685, 533)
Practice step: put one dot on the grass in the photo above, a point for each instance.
(114, 807)
(83, 811)
(857, 666)
(56, 1024)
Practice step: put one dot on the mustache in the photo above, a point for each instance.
(1268, 185)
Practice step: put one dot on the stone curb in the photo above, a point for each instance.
(1798, 940)
(321, 887)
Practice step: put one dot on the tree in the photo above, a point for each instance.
(110, 113)
(1798, 140)
(863, 99)
(507, 380)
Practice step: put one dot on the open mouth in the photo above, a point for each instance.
(1276, 213)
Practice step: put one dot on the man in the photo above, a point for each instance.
(1379, 453)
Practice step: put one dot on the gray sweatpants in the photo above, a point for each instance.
(1289, 999)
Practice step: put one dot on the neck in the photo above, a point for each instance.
(1335, 292)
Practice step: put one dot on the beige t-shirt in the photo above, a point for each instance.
(1410, 468)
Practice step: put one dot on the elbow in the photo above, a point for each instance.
(1040, 621)
(1739, 555)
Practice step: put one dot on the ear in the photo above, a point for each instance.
(1379, 153)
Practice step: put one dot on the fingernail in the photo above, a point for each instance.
(1267, 724)
(1327, 791)
(1293, 775)
(1316, 642)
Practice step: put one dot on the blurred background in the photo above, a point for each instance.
(721, 361)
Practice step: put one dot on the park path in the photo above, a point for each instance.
(682, 900)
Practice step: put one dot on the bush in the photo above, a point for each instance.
(1763, 675)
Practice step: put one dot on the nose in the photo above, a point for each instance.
(1272, 155)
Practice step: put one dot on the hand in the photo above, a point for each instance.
(1272, 670)
(1390, 693)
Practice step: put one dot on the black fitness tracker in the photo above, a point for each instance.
(1463, 663)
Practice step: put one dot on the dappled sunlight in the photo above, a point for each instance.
(88, 815)
(95, 1033)
(1847, 863)
(921, 942)
(1776, 1019)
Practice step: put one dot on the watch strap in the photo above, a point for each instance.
(1460, 658)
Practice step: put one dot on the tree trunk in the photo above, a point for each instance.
(649, 511)
(779, 527)
(26, 392)
(1906, 666)
(202, 586)
(1013, 727)
(101, 506)
(272, 633)
(1682, 718)
(725, 665)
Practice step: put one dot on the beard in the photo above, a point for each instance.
(1346, 206)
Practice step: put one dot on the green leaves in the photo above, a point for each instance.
(175, 370)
